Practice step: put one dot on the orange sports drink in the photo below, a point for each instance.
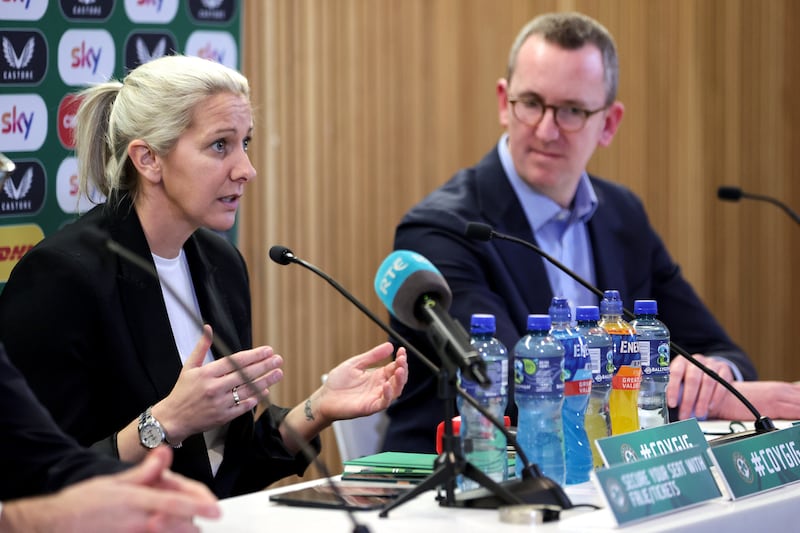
(623, 401)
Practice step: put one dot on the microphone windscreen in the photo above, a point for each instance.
(732, 194)
(281, 254)
(478, 231)
(403, 278)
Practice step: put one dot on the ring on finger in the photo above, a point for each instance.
(236, 399)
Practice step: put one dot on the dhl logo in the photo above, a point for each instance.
(16, 241)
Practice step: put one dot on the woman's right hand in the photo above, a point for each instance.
(203, 397)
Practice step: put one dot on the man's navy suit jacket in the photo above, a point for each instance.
(509, 280)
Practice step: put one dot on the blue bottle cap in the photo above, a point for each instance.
(611, 304)
(559, 310)
(587, 312)
(645, 307)
(539, 323)
(481, 324)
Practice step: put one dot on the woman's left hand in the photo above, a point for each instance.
(356, 388)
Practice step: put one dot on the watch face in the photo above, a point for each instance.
(151, 436)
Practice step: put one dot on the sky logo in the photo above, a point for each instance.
(24, 58)
(23, 122)
(218, 46)
(22, 9)
(151, 11)
(85, 56)
(68, 190)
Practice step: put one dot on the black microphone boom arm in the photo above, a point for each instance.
(734, 194)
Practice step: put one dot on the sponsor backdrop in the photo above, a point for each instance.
(51, 49)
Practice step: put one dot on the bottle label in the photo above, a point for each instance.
(497, 371)
(626, 351)
(602, 364)
(577, 364)
(655, 356)
(539, 376)
(627, 378)
(578, 388)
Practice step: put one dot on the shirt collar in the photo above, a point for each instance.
(539, 209)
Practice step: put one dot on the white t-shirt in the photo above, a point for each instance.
(175, 273)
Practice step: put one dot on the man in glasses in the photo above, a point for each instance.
(557, 104)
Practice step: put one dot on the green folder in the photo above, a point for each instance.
(393, 463)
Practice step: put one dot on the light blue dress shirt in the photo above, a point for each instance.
(560, 232)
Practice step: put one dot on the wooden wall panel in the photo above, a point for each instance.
(364, 106)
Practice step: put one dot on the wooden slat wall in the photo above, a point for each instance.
(364, 106)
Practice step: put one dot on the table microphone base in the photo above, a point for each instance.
(762, 425)
(537, 490)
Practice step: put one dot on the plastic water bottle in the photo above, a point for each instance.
(483, 444)
(601, 353)
(653, 338)
(539, 393)
(624, 397)
(577, 386)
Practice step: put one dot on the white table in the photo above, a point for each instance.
(768, 512)
(772, 511)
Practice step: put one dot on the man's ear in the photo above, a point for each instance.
(503, 107)
(145, 160)
(612, 120)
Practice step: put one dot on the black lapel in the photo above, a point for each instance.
(210, 293)
(143, 305)
(500, 206)
(604, 228)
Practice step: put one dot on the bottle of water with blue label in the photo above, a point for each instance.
(482, 443)
(601, 353)
(577, 386)
(653, 338)
(539, 394)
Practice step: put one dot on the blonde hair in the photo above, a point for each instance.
(154, 103)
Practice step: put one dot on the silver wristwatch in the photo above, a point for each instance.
(151, 433)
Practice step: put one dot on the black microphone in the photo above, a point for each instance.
(534, 488)
(763, 424)
(416, 293)
(734, 194)
(97, 236)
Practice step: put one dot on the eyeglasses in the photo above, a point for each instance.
(568, 118)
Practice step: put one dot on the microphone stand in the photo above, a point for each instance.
(533, 488)
(762, 424)
(451, 462)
